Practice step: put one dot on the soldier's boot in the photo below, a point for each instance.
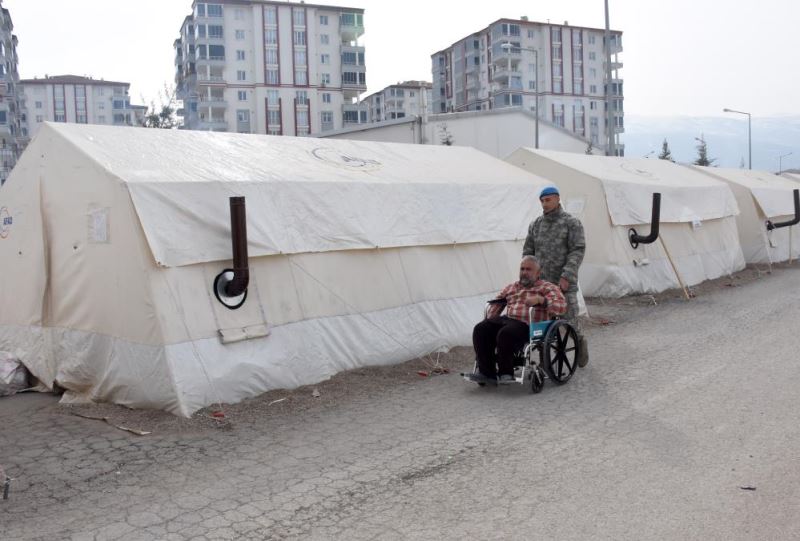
(583, 352)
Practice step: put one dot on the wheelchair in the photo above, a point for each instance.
(551, 352)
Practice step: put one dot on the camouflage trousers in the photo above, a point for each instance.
(572, 312)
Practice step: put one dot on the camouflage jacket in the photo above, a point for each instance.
(558, 242)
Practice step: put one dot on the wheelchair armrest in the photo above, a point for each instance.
(497, 301)
(494, 302)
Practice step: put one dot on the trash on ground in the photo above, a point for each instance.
(107, 420)
(13, 375)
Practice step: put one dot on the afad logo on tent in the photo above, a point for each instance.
(5, 222)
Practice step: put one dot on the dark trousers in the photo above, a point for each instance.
(505, 334)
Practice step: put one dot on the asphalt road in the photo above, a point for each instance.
(683, 426)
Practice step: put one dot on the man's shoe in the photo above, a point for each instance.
(477, 377)
(505, 379)
(583, 353)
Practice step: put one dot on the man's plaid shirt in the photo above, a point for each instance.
(516, 295)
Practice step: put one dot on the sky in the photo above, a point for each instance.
(680, 57)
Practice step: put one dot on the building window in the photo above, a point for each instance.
(557, 88)
(38, 105)
(530, 33)
(274, 117)
(299, 37)
(351, 116)
(214, 10)
(242, 115)
(242, 94)
(349, 58)
(271, 37)
(558, 115)
(239, 55)
(592, 56)
(324, 39)
(593, 73)
(240, 34)
(326, 98)
(325, 59)
(327, 117)
(3, 117)
(302, 97)
(510, 29)
(272, 97)
(326, 78)
(299, 16)
(577, 87)
(241, 75)
(300, 77)
(200, 10)
(272, 76)
(238, 14)
(593, 105)
(556, 33)
(81, 118)
(592, 89)
(591, 39)
(270, 15)
(300, 58)
(271, 56)
(216, 52)
(39, 118)
(215, 31)
(323, 20)
(531, 85)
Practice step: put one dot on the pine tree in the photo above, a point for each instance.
(665, 152)
(702, 153)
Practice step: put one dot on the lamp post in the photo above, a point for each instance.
(507, 46)
(780, 162)
(749, 140)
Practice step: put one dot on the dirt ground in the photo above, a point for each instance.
(370, 381)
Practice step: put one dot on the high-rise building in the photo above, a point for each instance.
(503, 64)
(409, 98)
(76, 99)
(12, 135)
(281, 68)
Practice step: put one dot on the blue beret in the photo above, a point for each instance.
(548, 190)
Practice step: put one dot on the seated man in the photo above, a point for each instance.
(509, 333)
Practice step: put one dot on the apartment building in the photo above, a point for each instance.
(512, 62)
(12, 135)
(406, 99)
(77, 99)
(280, 68)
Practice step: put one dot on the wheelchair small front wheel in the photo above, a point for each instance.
(537, 380)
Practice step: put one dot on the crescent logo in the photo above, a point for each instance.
(345, 160)
(5, 222)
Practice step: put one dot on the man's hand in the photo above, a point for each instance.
(563, 284)
(534, 300)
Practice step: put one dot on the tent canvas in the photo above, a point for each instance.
(761, 196)
(360, 254)
(610, 195)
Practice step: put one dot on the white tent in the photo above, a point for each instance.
(761, 196)
(611, 195)
(361, 253)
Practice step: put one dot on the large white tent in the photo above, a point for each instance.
(762, 196)
(611, 195)
(360, 253)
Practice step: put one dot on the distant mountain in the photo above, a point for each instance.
(726, 138)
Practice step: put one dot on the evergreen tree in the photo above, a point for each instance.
(589, 148)
(163, 117)
(702, 153)
(665, 152)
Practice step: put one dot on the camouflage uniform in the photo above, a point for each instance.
(557, 241)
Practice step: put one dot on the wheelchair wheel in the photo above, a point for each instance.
(560, 351)
(537, 380)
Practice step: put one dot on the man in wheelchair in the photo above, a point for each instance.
(499, 337)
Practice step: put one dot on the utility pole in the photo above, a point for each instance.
(611, 127)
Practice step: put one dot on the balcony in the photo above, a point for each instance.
(351, 26)
(212, 101)
(210, 61)
(503, 75)
(501, 55)
(212, 124)
(204, 79)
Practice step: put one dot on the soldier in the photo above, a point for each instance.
(556, 239)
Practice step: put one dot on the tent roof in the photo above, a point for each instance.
(686, 195)
(773, 193)
(303, 194)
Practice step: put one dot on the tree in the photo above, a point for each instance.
(589, 148)
(445, 137)
(163, 115)
(665, 152)
(702, 153)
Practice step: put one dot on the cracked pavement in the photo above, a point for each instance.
(684, 408)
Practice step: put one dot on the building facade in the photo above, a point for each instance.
(79, 100)
(409, 98)
(12, 133)
(503, 64)
(279, 68)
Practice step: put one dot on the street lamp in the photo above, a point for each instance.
(508, 46)
(780, 162)
(749, 140)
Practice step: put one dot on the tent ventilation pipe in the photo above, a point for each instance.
(636, 239)
(230, 286)
(771, 226)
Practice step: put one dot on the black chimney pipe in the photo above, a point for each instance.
(241, 272)
(636, 239)
(771, 226)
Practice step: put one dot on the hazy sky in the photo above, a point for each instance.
(681, 57)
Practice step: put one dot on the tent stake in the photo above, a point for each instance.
(674, 269)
